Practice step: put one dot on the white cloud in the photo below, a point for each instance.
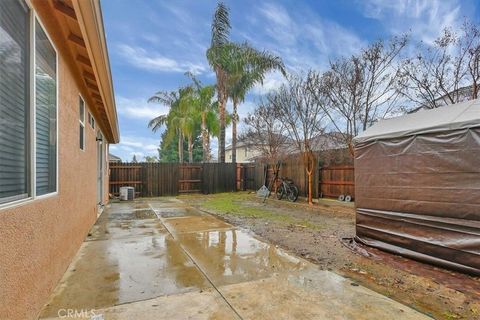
(425, 19)
(139, 108)
(281, 27)
(136, 145)
(153, 61)
(302, 38)
(272, 82)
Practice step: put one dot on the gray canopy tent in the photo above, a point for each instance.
(417, 186)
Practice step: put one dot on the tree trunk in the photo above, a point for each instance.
(309, 167)
(209, 157)
(180, 147)
(190, 149)
(234, 132)
(205, 144)
(222, 97)
(221, 137)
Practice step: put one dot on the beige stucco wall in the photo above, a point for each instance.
(241, 157)
(40, 237)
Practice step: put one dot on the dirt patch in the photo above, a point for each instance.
(316, 234)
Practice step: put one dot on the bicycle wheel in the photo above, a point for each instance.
(293, 194)
(280, 192)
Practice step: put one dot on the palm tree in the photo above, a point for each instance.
(169, 99)
(208, 109)
(216, 55)
(180, 120)
(237, 68)
(187, 118)
(252, 66)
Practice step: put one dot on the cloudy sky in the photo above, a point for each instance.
(152, 43)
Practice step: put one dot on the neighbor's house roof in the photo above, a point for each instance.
(114, 158)
(452, 117)
(240, 144)
(76, 28)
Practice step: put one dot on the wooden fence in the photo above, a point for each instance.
(328, 181)
(169, 179)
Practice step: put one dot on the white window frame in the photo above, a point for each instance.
(82, 123)
(32, 125)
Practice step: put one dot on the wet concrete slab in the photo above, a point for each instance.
(111, 272)
(204, 305)
(233, 256)
(185, 264)
(195, 224)
(178, 212)
(312, 295)
(130, 214)
(118, 229)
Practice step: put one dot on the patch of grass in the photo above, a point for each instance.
(238, 205)
(450, 315)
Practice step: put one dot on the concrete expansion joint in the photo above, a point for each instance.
(197, 265)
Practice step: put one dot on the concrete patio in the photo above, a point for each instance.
(159, 258)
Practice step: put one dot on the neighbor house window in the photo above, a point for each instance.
(14, 101)
(81, 111)
(28, 105)
(45, 113)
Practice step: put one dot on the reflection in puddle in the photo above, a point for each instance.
(231, 256)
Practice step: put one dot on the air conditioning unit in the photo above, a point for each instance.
(127, 193)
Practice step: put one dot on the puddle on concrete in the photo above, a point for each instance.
(178, 212)
(130, 258)
(195, 224)
(233, 256)
(111, 272)
(107, 229)
(157, 203)
(129, 214)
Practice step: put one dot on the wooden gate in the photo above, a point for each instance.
(190, 179)
(337, 180)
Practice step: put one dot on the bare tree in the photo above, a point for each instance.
(356, 91)
(470, 41)
(303, 116)
(446, 72)
(266, 132)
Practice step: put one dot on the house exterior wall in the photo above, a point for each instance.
(40, 237)
(242, 156)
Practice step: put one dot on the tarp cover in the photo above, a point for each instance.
(418, 194)
(453, 117)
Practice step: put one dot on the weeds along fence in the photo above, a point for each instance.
(170, 179)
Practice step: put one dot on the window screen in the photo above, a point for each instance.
(45, 113)
(14, 100)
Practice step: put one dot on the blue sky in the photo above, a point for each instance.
(152, 43)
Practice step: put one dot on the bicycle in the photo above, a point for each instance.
(287, 188)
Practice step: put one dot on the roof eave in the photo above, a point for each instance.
(89, 16)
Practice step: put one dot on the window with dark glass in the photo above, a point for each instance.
(45, 113)
(14, 101)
